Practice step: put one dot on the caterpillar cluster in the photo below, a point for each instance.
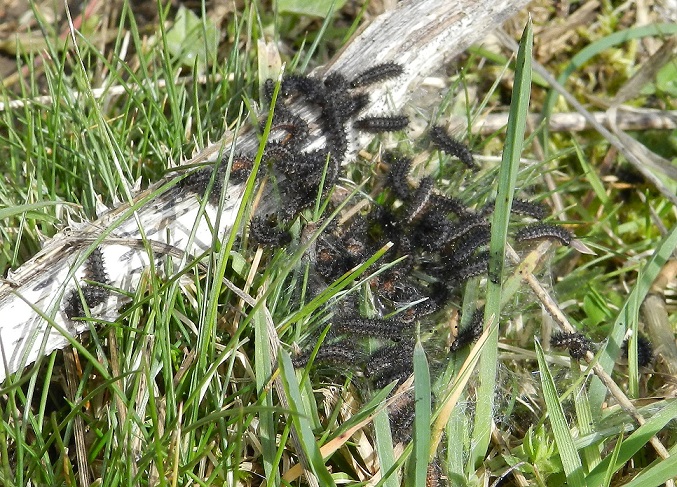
(437, 242)
(93, 294)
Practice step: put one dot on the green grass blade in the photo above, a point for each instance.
(301, 421)
(318, 38)
(614, 458)
(422, 397)
(512, 152)
(586, 425)
(384, 448)
(565, 442)
(590, 173)
(264, 371)
(634, 443)
(30, 208)
(656, 475)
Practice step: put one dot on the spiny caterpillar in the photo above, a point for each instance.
(540, 231)
(529, 208)
(376, 74)
(92, 294)
(338, 353)
(577, 344)
(382, 124)
(397, 174)
(264, 232)
(392, 328)
(471, 332)
(452, 146)
(644, 350)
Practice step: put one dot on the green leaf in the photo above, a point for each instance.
(666, 79)
(316, 8)
(193, 40)
(595, 308)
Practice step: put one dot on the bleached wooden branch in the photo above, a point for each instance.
(164, 221)
(631, 119)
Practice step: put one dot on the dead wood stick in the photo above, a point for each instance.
(635, 119)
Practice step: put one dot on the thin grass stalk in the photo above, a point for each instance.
(573, 467)
(507, 179)
(422, 405)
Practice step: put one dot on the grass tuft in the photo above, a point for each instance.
(181, 388)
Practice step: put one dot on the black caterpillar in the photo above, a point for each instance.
(577, 344)
(198, 181)
(398, 173)
(336, 354)
(380, 72)
(452, 146)
(546, 231)
(264, 231)
(644, 350)
(471, 332)
(392, 328)
(93, 294)
(382, 124)
(529, 208)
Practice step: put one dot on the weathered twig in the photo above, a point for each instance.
(634, 119)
